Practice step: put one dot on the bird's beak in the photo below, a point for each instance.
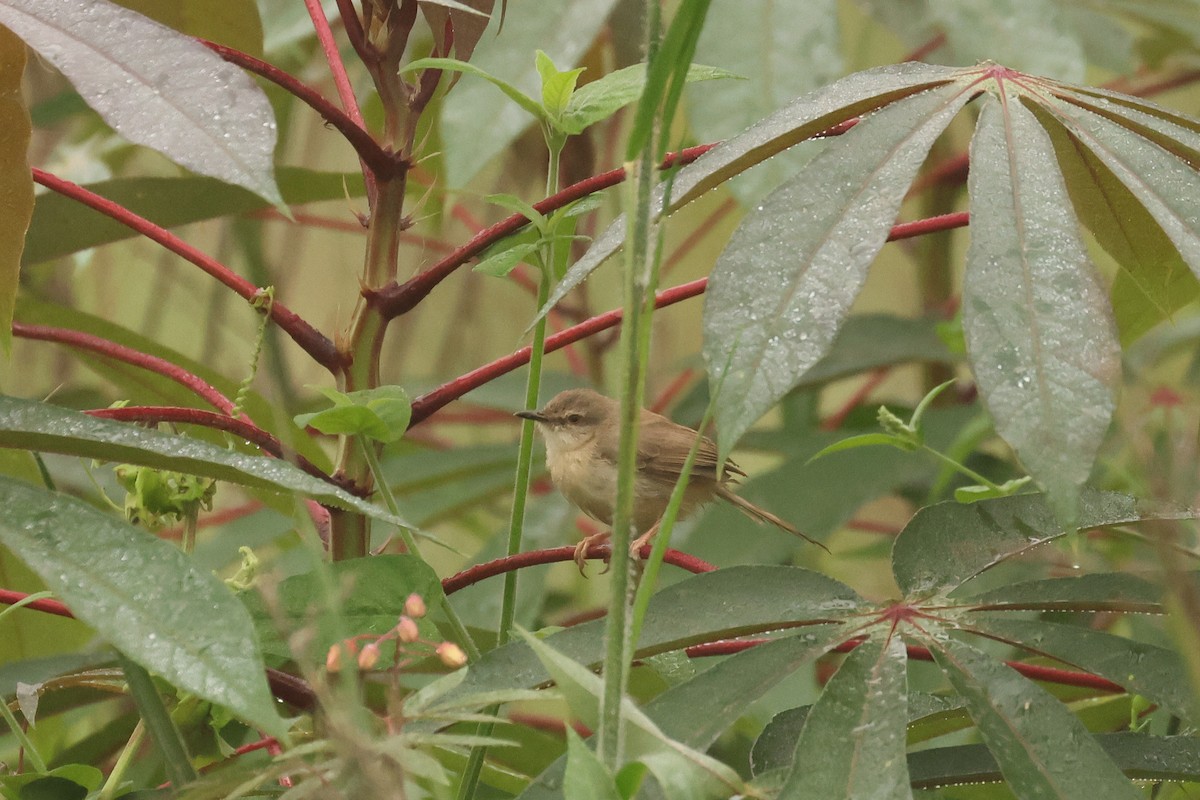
(536, 416)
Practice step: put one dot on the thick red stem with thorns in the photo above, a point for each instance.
(312, 341)
(428, 403)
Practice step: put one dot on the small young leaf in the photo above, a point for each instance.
(503, 262)
(381, 414)
(557, 87)
(519, 206)
(864, 440)
(601, 98)
(454, 65)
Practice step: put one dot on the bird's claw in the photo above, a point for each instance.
(581, 549)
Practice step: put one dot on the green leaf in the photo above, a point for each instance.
(682, 772)
(803, 118)
(1042, 749)
(518, 206)
(1160, 180)
(1039, 333)
(557, 86)
(39, 426)
(852, 744)
(144, 596)
(147, 81)
(16, 182)
(62, 226)
(1144, 669)
(564, 30)
(865, 440)
(454, 65)
(1147, 758)
(1103, 591)
(1153, 282)
(381, 414)
(374, 590)
(500, 264)
(783, 285)
(587, 778)
(971, 538)
(603, 97)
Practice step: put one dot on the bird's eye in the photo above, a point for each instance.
(574, 419)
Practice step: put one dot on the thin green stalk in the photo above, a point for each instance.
(965, 470)
(516, 522)
(410, 542)
(35, 758)
(158, 723)
(113, 781)
(634, 350)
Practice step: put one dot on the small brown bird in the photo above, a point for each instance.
(582, 428)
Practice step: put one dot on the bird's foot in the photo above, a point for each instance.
(635, 547)
(582, 548)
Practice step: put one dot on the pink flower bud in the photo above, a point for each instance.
(406, 630)
(414, 606)
(333, 659)
(451, 654)
(369, 656)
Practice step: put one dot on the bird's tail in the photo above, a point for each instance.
(762, 515)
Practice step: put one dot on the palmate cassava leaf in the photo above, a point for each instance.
(1040, 331)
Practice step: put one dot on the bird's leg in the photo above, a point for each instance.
(635, 547)
(582, 548)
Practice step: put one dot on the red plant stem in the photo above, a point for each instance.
(381, 162)
(336, 67)
(554, 725)
(45, 605)
(835, 420)
(194, 416)
(499, 566)
(110, 349)
(312, 341)
(428, 403)
(400, 298)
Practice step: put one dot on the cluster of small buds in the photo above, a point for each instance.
(406, 631)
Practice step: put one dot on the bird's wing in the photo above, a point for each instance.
(664, 445)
